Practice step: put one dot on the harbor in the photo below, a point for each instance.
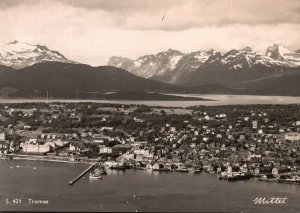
(81, 174)
(133, 190)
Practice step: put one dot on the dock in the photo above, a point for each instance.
(81, 174)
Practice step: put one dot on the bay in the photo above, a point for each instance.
(133, 190)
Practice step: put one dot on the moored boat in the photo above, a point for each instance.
(162, 169)
(182, 169)
(238, 176)
(118, 167)
(140, 168)
(290, 180)
(96, 174)
(195, 170)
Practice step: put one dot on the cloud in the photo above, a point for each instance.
(4, 4)
(181, 14)
(92, 31)
(185, 14)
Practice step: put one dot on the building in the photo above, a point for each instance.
(277, 171)
(2, 136)
(72, 148)
(33, 146)
(292, 136)
(106, 150)
(254, 124)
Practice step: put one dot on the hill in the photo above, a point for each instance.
(65, 80)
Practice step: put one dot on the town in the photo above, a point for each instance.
(235, 142)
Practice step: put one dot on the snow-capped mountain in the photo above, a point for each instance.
(236, 67)
(244, 59)
(280, 53)
(20, 54)
(173, 66)
(188, 63)
(149, 65)
(165, 66)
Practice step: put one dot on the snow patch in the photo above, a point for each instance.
(238, 66)
(137, 63)
(174, 61)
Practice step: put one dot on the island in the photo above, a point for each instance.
(236, 142)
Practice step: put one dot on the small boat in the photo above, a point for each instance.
(182, 169)
(162, 170)
(103, 172)
(195, 170)
(139, 168)
(238, 176)
(268, 180)
(118, 167)
(96, 174)
(290, 180)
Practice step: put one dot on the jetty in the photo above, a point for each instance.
(81, 174)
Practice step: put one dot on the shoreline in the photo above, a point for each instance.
(27, 158)
(40, 158)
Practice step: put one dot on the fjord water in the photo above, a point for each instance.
(133, 190)
(217, 100)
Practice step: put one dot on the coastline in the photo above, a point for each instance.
(42, 158)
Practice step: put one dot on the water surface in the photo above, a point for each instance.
(218, 100)
(134, 190)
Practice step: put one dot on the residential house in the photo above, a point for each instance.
(279, 170)
(2, 136)
(292, 136)
(105, 150)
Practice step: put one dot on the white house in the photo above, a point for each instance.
(292, 136)
(107, 150)
(2, 136)
(254, 124)
(35, 147)
(72, 148)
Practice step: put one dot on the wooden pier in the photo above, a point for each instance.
(81, 175)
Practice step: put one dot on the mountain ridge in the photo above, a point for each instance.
(19, 55)
(276, 57)
(66, 79)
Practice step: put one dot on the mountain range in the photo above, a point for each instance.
(28, 70)
(201, 67)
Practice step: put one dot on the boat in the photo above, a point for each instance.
(291, 180)
(268, 180)
(195, 170)
(238, 176)
(118, 167)
(96, 174)
(162, 169)
(223, 176)
(103, 171)
(182, 169)
(139, 168)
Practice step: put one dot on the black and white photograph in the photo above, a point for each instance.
(150, 106)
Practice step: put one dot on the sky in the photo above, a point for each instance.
(90, 31)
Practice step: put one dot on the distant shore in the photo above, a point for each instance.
(218, 100)
(122, 96)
